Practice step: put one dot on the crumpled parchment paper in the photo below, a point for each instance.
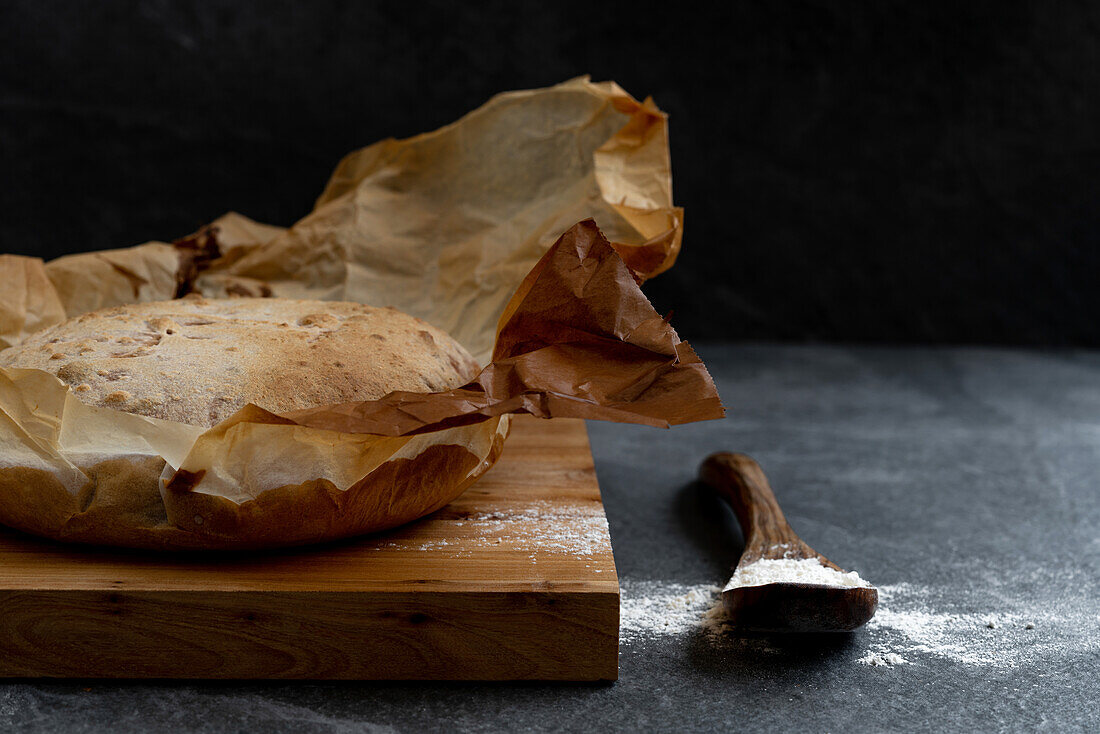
(454, 226)
(443, 225)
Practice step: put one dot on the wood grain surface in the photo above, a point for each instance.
(513, 580)
(741, 481)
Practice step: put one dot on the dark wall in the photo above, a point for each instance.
(883, 171)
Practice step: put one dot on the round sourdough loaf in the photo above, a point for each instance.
(198, 361)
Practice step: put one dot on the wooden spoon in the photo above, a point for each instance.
(778, 607)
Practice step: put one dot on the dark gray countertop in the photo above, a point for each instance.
(963, 482)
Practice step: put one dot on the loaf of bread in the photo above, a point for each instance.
(197, 361)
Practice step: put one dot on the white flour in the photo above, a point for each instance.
(540, 527)
(791, 571)
(651, 610)
(913, 626)
(882, 659)
(912, 623)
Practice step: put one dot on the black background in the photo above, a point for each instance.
(874, 171)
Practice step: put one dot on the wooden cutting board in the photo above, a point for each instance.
(513, 580)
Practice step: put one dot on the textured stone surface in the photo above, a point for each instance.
(890, 171)
(967, 472)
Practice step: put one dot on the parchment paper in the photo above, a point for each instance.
(28, 301)
(442, 226)
(449, 226)
(578, 339)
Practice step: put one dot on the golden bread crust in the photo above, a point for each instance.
(198, 361)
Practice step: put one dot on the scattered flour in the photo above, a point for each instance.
(580, 530)
(915, 621)
(539, 527)
(882, 659)
(791, 571)
(655, 610)
(650, 610)
(914, 625)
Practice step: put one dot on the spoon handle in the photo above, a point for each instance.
(741, 481)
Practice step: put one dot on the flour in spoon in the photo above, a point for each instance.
(792, 571)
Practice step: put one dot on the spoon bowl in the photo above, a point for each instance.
(786, 607)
